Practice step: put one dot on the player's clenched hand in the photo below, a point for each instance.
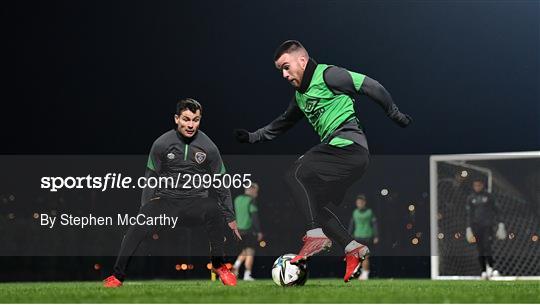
(234, 228)
(402, 119)
(241, 135)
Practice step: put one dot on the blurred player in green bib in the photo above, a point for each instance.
(247, 218)
(363, 227)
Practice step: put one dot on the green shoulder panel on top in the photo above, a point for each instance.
(358, 79)
(340, 142)
(150, 163)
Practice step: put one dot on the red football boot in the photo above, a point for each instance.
(112, 282)
(312, 246)
(354, 259)
(226, 276)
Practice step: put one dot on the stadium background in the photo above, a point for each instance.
(102, 78)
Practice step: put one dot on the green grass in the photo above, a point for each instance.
(265, 291)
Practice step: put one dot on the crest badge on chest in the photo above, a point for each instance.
(200, 157)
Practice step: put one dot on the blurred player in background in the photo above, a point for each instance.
(247, 219)
(363, 227)
(188, 151)
(325, 95)
(482, 215)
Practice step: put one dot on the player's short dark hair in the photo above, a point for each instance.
(288, 46)
(479, 179)
(361, 197)
(188, 104)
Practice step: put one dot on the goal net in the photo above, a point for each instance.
(514, 180)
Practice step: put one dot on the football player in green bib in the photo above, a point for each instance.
(325, 95)
(363, 227)
(247, 219)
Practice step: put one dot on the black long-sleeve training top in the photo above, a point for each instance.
(172, 154)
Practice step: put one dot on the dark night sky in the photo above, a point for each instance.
(102, 77)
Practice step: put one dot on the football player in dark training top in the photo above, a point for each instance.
(325, 94)
(482, 215)
(187, 151)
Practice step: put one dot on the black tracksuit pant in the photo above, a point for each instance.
(484, 238)
(322, 176)
(191, 212)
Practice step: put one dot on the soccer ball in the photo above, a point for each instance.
(286, 274)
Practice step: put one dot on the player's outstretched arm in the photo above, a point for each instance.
(153, 167)
(378, 93)
(375, 226)
(280, 125)
(223, 193)
(469, 234)
(501, 228)
(256, 224)
(340, 80)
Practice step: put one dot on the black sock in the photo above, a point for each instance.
(482, 260)
(333, 228)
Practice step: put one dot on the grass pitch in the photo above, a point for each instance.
(265, 291)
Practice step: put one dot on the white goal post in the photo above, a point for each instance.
(448, 189)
